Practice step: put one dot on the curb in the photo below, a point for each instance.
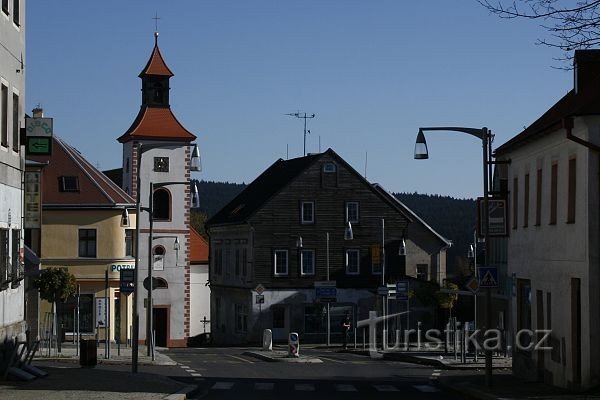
(182, 394)
(265, 357)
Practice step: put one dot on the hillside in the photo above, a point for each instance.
(450, 217)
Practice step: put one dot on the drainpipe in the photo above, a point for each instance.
(567, 123)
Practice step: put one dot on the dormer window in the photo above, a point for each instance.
(329, 167)
(69, 184)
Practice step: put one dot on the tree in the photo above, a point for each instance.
(56, 284)
(198, 221)
(571, 25)
(448, 300)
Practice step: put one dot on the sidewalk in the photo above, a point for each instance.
(110, 379)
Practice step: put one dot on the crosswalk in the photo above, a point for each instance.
(311, 387)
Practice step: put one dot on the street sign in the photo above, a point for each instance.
(473, 285)
(326, 294)
(325, 284)
(497, 217)
(488, 277)
(383, 290)
(402, 290)
(260, 299)
(259, 289)
(38, 145)
(127, 281)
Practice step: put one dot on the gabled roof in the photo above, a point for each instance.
(198, 248)
(95, 190)
(156, 123)
(405, 210)
(156, 65)
(272, 181)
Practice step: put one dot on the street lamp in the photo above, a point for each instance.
(472, 254)
(485, 136)
(194, 166)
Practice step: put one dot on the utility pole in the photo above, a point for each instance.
(305, 117)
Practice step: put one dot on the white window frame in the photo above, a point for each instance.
(312, 214)
(354, 220)
(278, 254)
(357, 252)
(302, 271)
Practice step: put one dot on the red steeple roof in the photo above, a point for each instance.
(156, 123)
(156, 65)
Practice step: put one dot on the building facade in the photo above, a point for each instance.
(199, 287)
(554, 244)
(12, 165)
(82, 232)
(157, 154)
(286, 232)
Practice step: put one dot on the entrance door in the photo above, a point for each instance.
(281, 322)
(160, 320)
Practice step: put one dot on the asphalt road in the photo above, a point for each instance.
(226, 373)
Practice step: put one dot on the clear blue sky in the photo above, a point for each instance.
(372, 71)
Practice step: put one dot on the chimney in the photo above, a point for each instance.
(586, 69)
(38, 112)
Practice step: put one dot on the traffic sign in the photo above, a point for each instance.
(402, 290)
(127, 281)
(488, 277)
(38, 145)
(260, 299)
(383, 290)
(259, 289)
(326, 294)
(473, 285)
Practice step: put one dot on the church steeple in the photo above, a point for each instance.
(155, 79)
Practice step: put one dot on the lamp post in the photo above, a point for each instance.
(485, 136)
(194, 166)
(472, 253)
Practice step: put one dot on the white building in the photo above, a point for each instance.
(12, 165)
(554, 244)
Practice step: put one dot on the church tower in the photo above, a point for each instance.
(157, 153)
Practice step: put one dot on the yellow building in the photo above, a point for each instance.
(82, 231)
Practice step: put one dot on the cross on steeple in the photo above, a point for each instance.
(156, 18)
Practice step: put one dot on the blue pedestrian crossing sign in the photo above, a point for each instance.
(488, 277)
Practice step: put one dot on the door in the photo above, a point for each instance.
(281, 322)
(160, 319)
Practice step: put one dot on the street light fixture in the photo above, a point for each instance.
(485, 136)
(194, 166)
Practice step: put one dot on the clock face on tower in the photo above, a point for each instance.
(161, 164)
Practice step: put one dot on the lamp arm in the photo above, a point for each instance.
(477, 132)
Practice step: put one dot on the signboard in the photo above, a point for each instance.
(32, 200)
(127, 282)
(402, 290)
(120, 267)
(100, 311)
(497, 215)
(40, 127)
(326, 294)
(38, 145)
(383, 290)
(488, 277)
(260, 299)
(473, 285)
(259, 289)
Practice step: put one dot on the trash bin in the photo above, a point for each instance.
(88, 356)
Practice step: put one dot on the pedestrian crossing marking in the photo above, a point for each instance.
(426, 388)
(264, 386)
(304, 387)
(345, 388)
(385, 388)
(184, 366)
(196, 374)
(223, 385)
(190, 370)
(436, 374)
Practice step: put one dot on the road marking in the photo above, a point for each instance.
(304, 387)
(240, 358)
(184, 366)
(437, 370)
(264, 386)
(331, 359)
(436, 374)
(426, 388)
(385, 388)
(190, 370)
(196, 374)
(223, 385)
(345, 388)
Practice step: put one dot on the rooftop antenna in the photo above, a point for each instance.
(305, 117)
(366, 158)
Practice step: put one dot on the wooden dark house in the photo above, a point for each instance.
(286, 231)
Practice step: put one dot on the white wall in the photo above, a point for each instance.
(200, 299)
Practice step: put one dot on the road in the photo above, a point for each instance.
(226, 373)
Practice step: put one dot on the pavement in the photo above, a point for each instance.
(110, 378)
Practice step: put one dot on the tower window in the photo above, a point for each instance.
(161, 204)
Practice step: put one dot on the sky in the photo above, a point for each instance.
(372, 71)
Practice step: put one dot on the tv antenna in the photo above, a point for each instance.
(305, 117)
